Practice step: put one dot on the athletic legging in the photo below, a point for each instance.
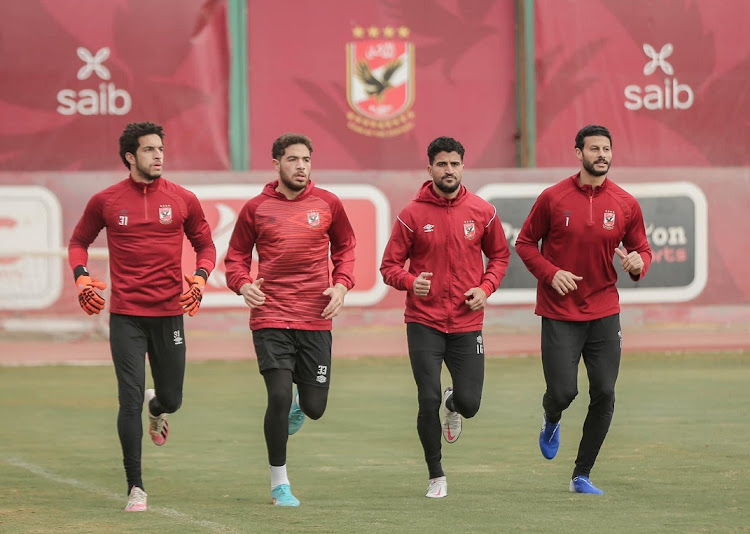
(130, 338)
(563, 344)
(279, 386)
(463, 355)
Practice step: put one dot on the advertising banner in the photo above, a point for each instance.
(668, 78)
(372, 83)
(73, 74)
(692, 220)
(30, 220)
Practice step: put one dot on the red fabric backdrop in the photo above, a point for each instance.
(670, 78)
(72, 74)
(462, 80)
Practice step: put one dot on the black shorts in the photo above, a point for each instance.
(306, 353)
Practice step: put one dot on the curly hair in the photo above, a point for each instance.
(133, 132)
(289, 139)
(444, 144)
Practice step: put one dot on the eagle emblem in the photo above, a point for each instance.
(374, 86)
(609, 220)
(470, 230)
(380, 80)
(313, 218)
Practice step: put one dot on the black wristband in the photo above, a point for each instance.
(202, 273)
(80, 271)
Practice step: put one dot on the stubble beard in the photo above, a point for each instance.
(593, 171)
(288, 181)
(447, 189)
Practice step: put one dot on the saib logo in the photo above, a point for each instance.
(107, 100)
(672, 95)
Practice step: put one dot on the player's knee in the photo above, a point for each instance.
(467, 407)
(171, 404)
(429, 402)
(279, 397)
(604, 397)
(561, 398)
(314, 410)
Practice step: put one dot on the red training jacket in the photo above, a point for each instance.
(580, 227)
(292, 239)
(145, 224)
(447, 238)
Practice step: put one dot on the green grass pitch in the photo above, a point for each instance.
(676, 458)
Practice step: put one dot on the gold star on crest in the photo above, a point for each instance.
(358, 32)
(373, 31)
(403, 31)
(389, 32)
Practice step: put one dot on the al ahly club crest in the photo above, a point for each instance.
(165, 214)
(380, 81)
(313, 218)
(609, 219)
(469, 230)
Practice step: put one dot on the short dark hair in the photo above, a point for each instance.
(444, 144)
(289, 139)
(590, 131)
(133, 132)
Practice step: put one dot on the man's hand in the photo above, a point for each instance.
(337, 294)
(632, 263)
(252, 294)
(422, 284)
(91, 301)
(564, 282)
(476, 298)
(191, 299)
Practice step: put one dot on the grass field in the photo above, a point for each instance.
(676, 459)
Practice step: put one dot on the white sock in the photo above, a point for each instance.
(278, 475)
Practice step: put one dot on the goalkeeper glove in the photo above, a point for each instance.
(191, 299)
(91, 301)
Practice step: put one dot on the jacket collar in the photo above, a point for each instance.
(587, 189)
(140, 186)
(270, 190)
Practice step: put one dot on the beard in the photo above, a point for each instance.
(289, 182)
(593, 171)
(146, 173)
(447, 189)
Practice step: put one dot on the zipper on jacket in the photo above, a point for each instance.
(591, 208)
(145, 202)
(450, 267)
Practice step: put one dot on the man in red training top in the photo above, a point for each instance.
(146, 217)
(292, 224)
(581, 222)
(443, 233)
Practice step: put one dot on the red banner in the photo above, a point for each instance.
(73, 74)
(669, 78)
(691, 222)
(372, 83)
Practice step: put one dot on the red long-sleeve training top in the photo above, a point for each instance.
(447, 238)
(292, 239)
(145, 224)
(580, 227)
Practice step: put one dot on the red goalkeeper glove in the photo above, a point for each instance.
(91, 301)
(191, 299)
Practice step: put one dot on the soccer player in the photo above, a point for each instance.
(146, 217)
(581, 222)
(443, 233)
(292, 224)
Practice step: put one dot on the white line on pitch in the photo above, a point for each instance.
(116, 496)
